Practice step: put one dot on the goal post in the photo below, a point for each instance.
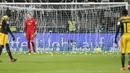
(91, 20)
(56, 15)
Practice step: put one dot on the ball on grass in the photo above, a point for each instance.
(98, 50)
(37, 52)
(51, 54)
(85, 53)
(29, 54)
(41, 52)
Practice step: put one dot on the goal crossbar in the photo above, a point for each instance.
(13, 5)
(103, 3)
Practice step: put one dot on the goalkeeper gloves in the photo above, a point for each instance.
(35, 34)
(24, 34)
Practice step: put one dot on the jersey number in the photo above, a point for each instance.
(127, 27)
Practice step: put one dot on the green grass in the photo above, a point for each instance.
(63, 63)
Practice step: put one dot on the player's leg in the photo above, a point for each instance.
(1, 47)
(123, 51)
(129, 61)
(29, 47)
(8, 49)
(28, 39)
(32, 42)
(128, 50)
(9, 53)
(33, 45)
(2, 37)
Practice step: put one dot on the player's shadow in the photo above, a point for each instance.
(0, 61)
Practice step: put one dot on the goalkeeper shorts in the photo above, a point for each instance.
(30, 36)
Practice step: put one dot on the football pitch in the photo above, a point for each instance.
(68, 62)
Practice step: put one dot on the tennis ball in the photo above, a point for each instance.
(98, 49)
(85, 53)
(51, 54)
(34, 53)
(37, 52)
(41, 52)
(24, 52)
(29, 54)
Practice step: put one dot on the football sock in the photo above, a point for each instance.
(123, 60)
(29, 47)
(129, 58)
(8, 51)
(1, 47)
(1, 50)
(33, 46)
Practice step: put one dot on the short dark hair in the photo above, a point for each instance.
(125, 12)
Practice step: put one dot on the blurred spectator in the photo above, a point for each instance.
(72, 25)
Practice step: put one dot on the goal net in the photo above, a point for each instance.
(53, 17)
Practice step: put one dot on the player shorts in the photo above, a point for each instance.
(30, 36)
(125, 43)
(3, 39)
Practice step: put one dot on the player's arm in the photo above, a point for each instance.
(3, 24)
(8, 28)
(117, 31)
(35, 26)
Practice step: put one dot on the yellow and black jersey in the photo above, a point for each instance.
(123, 25)
(4, 26)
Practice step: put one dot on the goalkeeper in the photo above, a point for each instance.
(124, 25)
(4, 30)
(30, 28)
